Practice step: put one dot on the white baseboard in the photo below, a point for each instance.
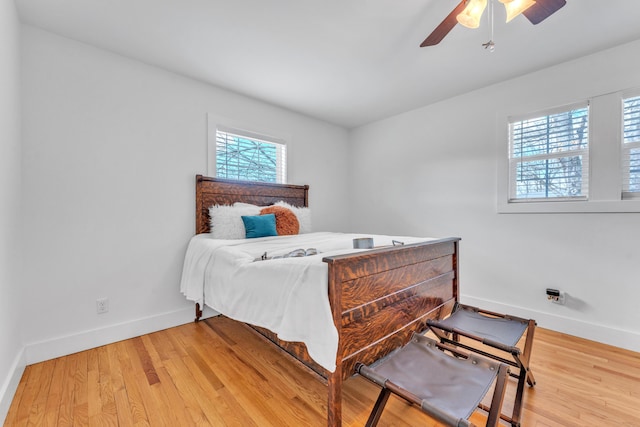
(10, 384)
(69, 344)
(629, 340)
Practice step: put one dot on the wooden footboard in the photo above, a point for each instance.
(380, 297)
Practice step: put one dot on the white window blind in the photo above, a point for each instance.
(549, 155)
(246, 156)
(631, 147)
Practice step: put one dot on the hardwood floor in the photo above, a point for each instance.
(218, 373)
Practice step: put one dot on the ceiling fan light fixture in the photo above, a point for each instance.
(516, 7)
(469, 12)
(470, 16)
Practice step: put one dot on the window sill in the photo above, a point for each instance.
(583, 206)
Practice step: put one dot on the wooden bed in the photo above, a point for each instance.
(377, 297)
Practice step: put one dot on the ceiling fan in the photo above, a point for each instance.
(468, 13)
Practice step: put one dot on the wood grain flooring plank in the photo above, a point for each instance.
(168, 410)
(65, 412)
(203, 368)
(191, 393)
(132, 376)
(115, 353)
(54, 397)
(145, 360)
(220, 331)
(169, 396)
(108, 410)
(38, 407)
(156, 389)
(94, 401)
(12, 414)
(81, 391)
(162, 345)
(115, 372)
(138, 385)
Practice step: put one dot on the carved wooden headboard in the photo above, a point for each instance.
(215, 191)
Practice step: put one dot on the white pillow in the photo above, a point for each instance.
(303, 215)
(246, 205)
(226, 221)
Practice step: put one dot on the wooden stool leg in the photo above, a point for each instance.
(526, 356)
(517, 405)
(378, 408)
(495, 411)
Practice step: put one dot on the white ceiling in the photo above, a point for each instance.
(348, 62)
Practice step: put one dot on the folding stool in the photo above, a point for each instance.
(495, 330)
(448, 388)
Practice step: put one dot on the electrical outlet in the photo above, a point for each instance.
(559, 299)
(102, 305)
(555, 296)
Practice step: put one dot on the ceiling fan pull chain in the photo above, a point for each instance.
(490, 45)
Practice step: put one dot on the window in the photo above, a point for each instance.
(631, 147)
(584, 157)
(549, 155)
(247, 156)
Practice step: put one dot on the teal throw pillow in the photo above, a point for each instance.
(260, 226)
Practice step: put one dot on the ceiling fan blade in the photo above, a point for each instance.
(445, 26)
(543, 9)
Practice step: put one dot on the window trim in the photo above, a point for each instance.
(251, 131)
(634, 93)
(630, 195)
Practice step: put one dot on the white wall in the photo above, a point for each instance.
(432, 171)
(111, 150)
(12, 309)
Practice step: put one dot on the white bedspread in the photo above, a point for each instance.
(288, 296)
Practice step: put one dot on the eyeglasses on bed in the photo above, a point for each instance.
(293, 254)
